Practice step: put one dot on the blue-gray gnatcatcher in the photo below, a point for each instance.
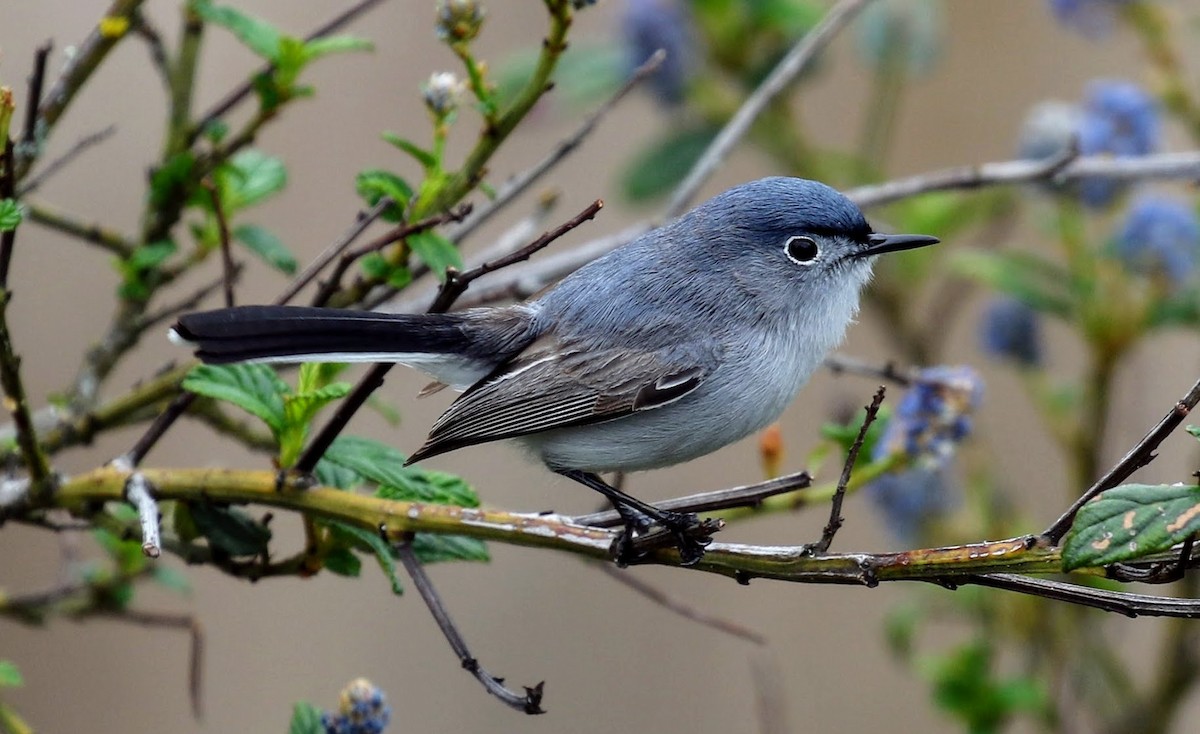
(690, 337)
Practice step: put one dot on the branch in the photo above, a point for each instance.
(1141, 454)
(32, 183)
(105, 238)
(780, 77)
(313, 269)
(228, 268)
(843, 364)
(835, 507)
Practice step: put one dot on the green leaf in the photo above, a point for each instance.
(259, 36)
(255, 388)
(375, 265)
(1194, 430)
(384, 465)
(231, 530)
(175, 174)
(656, 169)
(433, 548)
(291, 61)
(300, 409)
(11, 214)
(435, 251)
(267, 246)
(306, 719)
(377, 545)
(343, 562)
(10, 676)
(332, 475)
(1131, 521)
(316, 375)
(1036, 282)
(250, 177)
(1181, 308)
(375, 183)
(150, 256)
(426, 158)
(319, 47)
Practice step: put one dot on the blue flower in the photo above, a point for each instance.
(932, 417)
(362, 709)
(1011, 330)
(1160, 236)
(1119, 118)
(910, 499)
(647, 26)
(1091, 18)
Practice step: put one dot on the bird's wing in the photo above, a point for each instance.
(550, 386)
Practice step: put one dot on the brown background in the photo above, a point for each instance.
(612, 661)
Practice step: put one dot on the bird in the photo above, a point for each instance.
(682, 341)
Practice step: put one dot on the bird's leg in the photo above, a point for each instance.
(637, 516)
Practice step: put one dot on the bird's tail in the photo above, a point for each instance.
(299, 334)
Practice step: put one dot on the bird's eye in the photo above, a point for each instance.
(802, 250)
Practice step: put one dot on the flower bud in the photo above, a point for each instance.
(459, 21)
(442, 92)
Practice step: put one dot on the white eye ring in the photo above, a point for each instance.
(802, 250)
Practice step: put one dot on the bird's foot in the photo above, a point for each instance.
(642, 535)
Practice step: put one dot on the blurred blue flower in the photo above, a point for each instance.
(932, 417)
(1091, 18)
(1119, 118)
(916, 26)
(1011, 330)
(910, 499)
(647, 26)
(1160, 235)
(362, 709)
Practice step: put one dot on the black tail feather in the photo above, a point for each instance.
(249, 333)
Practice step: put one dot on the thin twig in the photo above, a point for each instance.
(661, 598)
(457, 283)
(306, 276)
(145, 30)
(137, 493)
(102, 237)
(32, 183)
(1184, 166)
(1141, 454)
(843, 364)
(750, 495)
(530, 702)
(235, 97)
(835, 508)
(36, 79)
(780, 77)
(228, 269)
(518, 184)
(195, 647)
(189, 302)
(1131, 605)
(8, 190)
(396, 234)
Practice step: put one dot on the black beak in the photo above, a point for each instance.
(878, 244)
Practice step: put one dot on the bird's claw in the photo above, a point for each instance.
(689, 533)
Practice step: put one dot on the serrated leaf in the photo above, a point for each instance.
(319, 47)
(375, 183)
(435, 251)
(259, 36)
(657, 168)
(332, 475)
(343, 562)
(267, 246)
(11, 214)
(384, 465)
(306, 719)
(426, 158)
(250, 177)
(433, 548)
(300, 409)
(10, 676)
(1131, 521)
(316, 375)
(1036, 282)
(231, 530)
(255, 388)
(378, 546)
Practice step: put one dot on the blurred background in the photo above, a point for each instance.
(611, 659)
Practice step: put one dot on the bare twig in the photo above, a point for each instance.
(780, 77)
(1141, 454)
(137, 493)
(36, 79)
(749, 495)
(195, 647)
(228, 269)
(661, 598)
(835, 509)
(235, 97)
(842, 364)
(396, 234)
(517, 185)
(154, 44)
(1131, 605)
(457, 283)
(189, 302)
(32, 183)
(306, 276)
(105, 238)
(1058, 170)
(530, 702)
